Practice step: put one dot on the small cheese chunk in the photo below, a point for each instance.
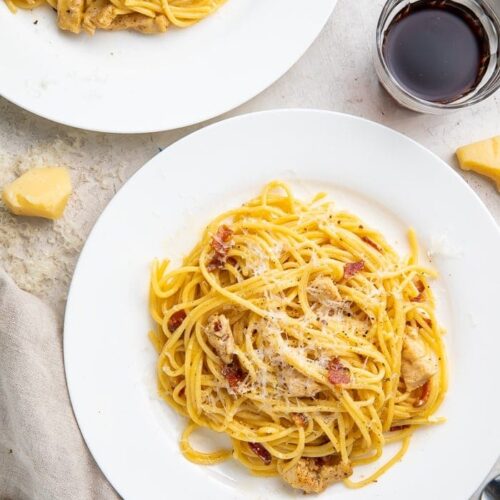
(40, 192)
(482, 157)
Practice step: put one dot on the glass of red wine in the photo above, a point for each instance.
(434, 56)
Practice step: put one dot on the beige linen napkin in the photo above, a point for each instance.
(42, 453)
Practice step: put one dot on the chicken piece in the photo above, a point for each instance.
(70, 15)
(314, 475)
(323, 290)
(99, 14)
(105, 17)
(92, 13)
(139, 22)
(220, 337)
(418, 363)
(298, 386)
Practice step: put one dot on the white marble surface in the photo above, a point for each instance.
(336, 73)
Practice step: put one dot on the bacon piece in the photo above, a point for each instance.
(352, 268)
(261, 452)
(421, 289)
(299, 419)
(425, 391)
(221, 238)
(216, 262)
(176, 320)
(398, 428)
(338, 373)
(370, 242)
(234, 375)
(221, 243)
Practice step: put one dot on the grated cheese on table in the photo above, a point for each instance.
(40, 255)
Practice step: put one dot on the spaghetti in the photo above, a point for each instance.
(145, 16)
(299, 332)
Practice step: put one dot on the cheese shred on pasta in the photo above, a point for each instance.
(298, 331)
(145, 16)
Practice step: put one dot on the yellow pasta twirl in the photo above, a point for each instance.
(299, 332)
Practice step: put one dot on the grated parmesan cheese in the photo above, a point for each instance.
(41, 255)
(441, 246)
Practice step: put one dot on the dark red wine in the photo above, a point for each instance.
(437, 50)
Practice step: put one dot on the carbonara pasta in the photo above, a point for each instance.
(299, 332)
(145, 16)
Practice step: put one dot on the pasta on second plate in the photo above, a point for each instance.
(299, 332)
(145, 16)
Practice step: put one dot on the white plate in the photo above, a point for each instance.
(390, 181)
(130, 83)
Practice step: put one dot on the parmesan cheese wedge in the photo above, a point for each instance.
(39, 192)
(482, 157)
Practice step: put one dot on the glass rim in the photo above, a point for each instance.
(487, 16)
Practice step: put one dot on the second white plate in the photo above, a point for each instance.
(387, 179)
(130, 83)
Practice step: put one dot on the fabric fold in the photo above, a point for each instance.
(42, 453)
